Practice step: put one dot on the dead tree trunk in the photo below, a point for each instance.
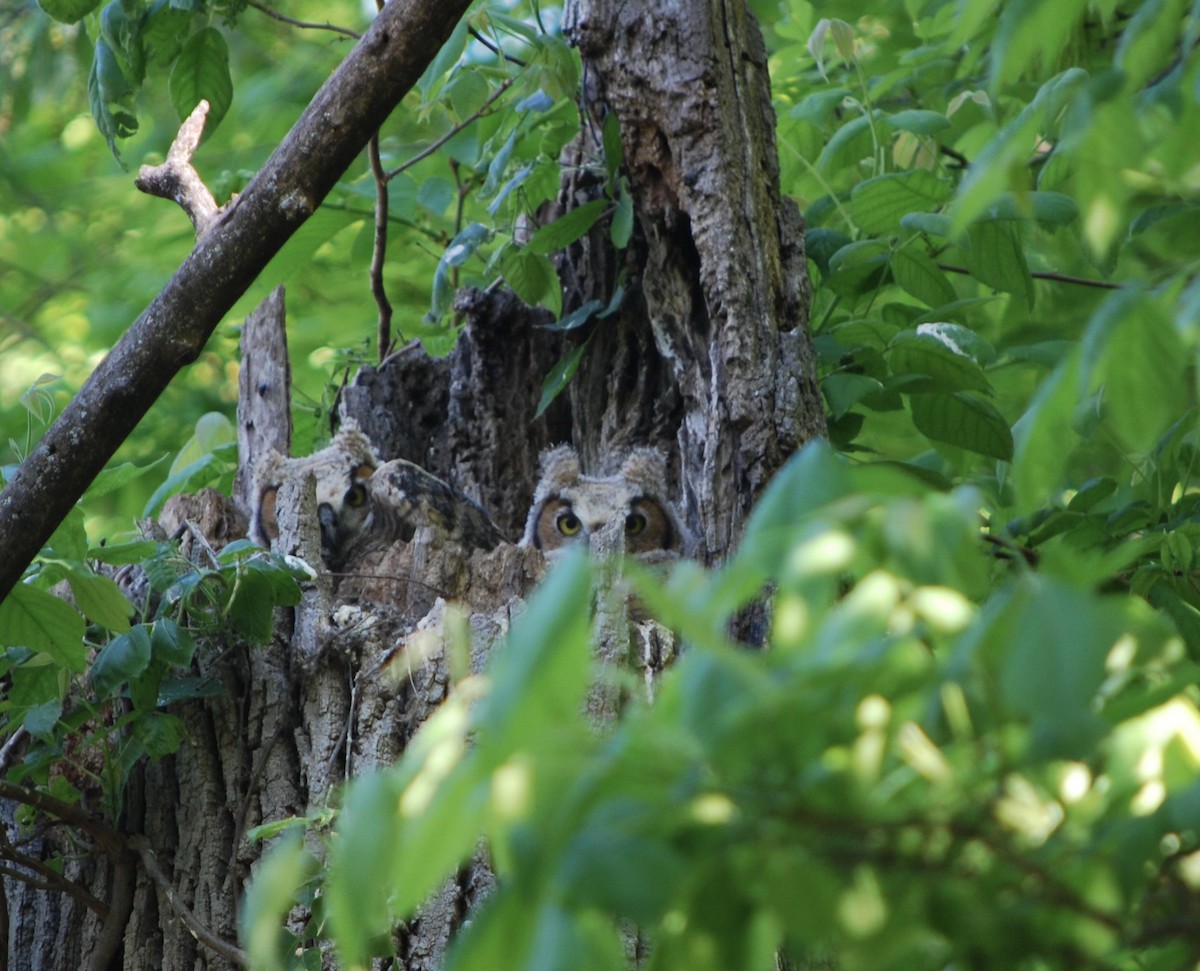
(709, 357)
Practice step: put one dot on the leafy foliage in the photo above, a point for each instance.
(973, 736)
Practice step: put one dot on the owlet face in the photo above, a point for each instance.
(617, 513)
(341, 471)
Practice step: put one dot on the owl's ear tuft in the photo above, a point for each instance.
(646, 466)
(560, 464)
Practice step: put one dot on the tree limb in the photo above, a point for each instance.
(172, 331)
(231, 952)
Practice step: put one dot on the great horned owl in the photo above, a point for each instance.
(341, 471)
(625, 512)
(404, 497)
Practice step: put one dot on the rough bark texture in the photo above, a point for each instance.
(708, 358)
(172, 331)
(724, 280)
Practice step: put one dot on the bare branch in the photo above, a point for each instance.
(176, 179)
(466, 122)
(379, 250)
(1079, 281)
(304, 25)
(231, 952)
(350, 107)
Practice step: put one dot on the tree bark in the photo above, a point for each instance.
(708, 357)
(724, 290)
(172, 331)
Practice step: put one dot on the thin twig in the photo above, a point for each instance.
(439, 142)
(54, 881)
(6, 752)
(108, 840)
(276, 15)
(1079, 281)
(231, 952)
(379, 250)
(494, 48)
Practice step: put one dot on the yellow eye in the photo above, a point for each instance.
(635, 523)
(356, 496)
(568, 523)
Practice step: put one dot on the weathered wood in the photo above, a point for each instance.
(173, 330)
(725, 284)
(469, 417)
(264, 410)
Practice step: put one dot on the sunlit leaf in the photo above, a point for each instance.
(201, 72)
(878, 204)
(32, 618)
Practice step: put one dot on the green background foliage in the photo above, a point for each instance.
(975, 735)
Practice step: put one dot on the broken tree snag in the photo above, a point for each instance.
(176, 179)
(170, 334)
(725, 280)
(264, 412)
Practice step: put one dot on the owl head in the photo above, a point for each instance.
(341, 471)
(623, 512)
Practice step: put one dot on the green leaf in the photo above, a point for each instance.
(993, 253)
(622, 223)
(252, 609)
(532, 277)
(577, 318)
(32, 618)
(560, 375)
(877, 205)
(165, 31)
(203, 471)
(614, 153)
(110, 96)
(920, 277)
(858, 267)
(99, 598)
(160, 734)
(115, 478)
(69, 539)
(567, 228)
(851, 143)
(964, 420)
(68, 11)
(120, 554)
(1054, 662)
(843, 391)
(274, 888)
(201, 72)
(937, 357)
(1007, 153)
(1132, 351)
(361, 865)
(171, 644)
(39, 720)
(1047, 208)
(1150, 39)
(120, 660)
(1031, 32)
(213, 429)
(919, 122)
(1045, 438)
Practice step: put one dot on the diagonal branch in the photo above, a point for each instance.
(172, 331)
